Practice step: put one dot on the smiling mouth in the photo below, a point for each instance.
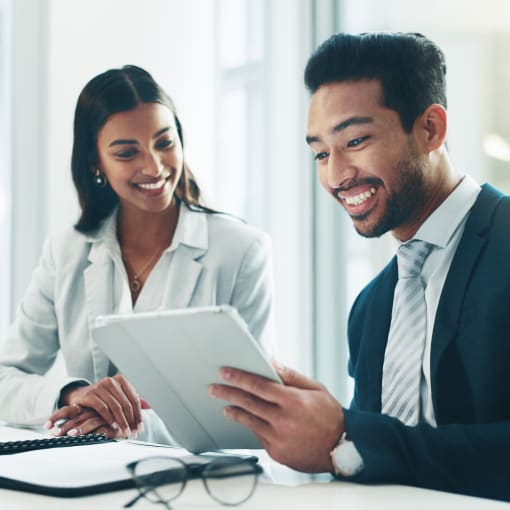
(360, 198)
(153, 185)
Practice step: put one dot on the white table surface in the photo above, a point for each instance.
(287, 490)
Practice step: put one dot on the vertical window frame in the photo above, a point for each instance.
(251, 77)
(5, 164)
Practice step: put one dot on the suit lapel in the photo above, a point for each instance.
(375, 336)
(464, 262)
(98, 278)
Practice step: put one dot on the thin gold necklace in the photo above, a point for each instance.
(135, 284)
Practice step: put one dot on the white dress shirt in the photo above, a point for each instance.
(444, 229)
(151, 296)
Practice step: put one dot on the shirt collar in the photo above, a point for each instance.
(441, 225)
(191, 230)
(107, 232)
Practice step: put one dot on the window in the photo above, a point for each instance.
(242, 62)
(5, 167)
(479, 137)
(478, 129)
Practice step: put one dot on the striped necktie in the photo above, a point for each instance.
(406, 339)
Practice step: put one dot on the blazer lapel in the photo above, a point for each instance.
(375, 337)
(99, 299)
(182, 277)
(463, 264)
(185, 268)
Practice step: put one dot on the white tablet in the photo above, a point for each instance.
(171, 357)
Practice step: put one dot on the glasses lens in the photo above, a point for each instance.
(160, 478)
(231, 481)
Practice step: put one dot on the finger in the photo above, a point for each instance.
(108, 432)
(110, 401)
(64, 413)
(98, 427)
(258, 426)
(243, 400)
(133, 398)
(123, 395)
(293, 378)
(61, 427)
(94, 399)
(257, 385)
(116, 409)
(61, 417)
(86, 426)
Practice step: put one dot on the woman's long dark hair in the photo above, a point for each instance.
(116, 90)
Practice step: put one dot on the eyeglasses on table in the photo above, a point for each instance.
(228, 480)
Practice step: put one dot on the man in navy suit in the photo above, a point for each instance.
(377, 125)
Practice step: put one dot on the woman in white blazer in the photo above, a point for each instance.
(143, 242)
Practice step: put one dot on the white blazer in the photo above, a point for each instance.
(219, 260)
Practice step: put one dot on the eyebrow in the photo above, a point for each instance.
(131, 142)
(352, 121)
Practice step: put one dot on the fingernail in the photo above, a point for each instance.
(212, 390)
(48, 425)
(127, 432)
(56, 431)
(115, 426)
(141, 427)
(72, 432)
(277, 365)
(226, 374)
(227, 412)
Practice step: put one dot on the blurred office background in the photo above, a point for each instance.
(234, 68)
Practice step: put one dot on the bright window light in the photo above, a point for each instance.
(497, 147)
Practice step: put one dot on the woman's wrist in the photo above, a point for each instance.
(67, 391)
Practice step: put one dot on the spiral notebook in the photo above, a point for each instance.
(84, 469)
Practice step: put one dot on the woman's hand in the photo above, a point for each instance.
(112, 398)
(78, 420)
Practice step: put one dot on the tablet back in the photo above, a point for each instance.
(172, 356)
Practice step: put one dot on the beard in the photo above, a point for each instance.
(404, 203)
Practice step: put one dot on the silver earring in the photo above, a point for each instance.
(100, 179)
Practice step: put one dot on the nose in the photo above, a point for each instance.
(152, 165)
(339, 169)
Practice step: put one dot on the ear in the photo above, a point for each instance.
(431, 127)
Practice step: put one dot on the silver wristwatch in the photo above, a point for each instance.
(345, 458)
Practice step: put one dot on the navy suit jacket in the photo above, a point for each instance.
(469, 450)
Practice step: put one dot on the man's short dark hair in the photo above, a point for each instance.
(409, 66)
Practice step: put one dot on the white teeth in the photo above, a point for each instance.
(153, 185)
(359, 199)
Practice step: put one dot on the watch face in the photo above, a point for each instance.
(346, 459)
